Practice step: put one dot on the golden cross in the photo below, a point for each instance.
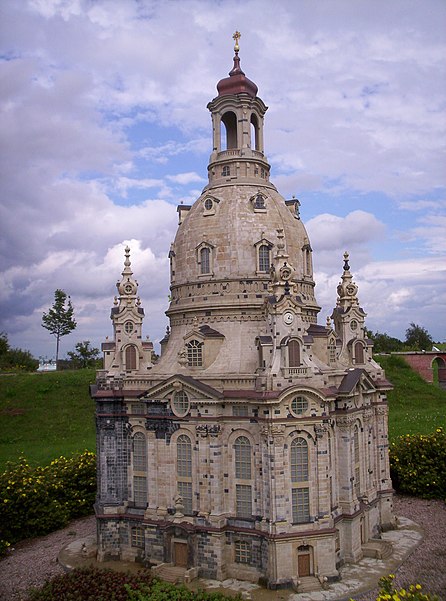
(237, 35)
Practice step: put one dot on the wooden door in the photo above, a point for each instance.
(180, 551)
(303, 564)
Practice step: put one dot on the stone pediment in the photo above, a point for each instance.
(162, 391)
(285, 302)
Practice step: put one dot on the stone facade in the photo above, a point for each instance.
(256, 446)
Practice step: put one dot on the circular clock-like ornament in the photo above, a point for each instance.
(354, 324)
(285, 273)
(128, 288)
(288, 318)
(351, 289)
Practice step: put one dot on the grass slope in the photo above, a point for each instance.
(415, 407)
(45, 415)
(49, 414)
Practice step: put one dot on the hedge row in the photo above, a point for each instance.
(92, 584)
(418, 464)
(35, 501)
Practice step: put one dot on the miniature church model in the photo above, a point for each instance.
(256, 446)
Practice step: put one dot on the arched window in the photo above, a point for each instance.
(255, 137)
(130, 357)
(184, 471)
(293, 353)
(300, 490)
(243, 475)
(205, 260)
(307, 259)
(139, 470)
(229, 120)
(356, 455)
(359, 352)
(242, 451)
(194, 353)
(139, 452)
(264, 258)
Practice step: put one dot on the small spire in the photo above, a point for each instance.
(127, 264)
(346, 265)
(237, 35)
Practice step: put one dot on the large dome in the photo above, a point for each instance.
(237, 231)
(233, 220)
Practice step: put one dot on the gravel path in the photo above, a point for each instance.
(33, 561)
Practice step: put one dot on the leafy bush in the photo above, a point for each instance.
(15, 359)
(412, 593)
(159, 590)
(90, 584)
(418, 464)
(35, 501)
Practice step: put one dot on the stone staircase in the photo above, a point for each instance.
(170, 573)
(377, 548)
(308, 584)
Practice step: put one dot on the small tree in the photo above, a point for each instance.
(383, 343)
(59, 320)
(418, 338)
(84, 355)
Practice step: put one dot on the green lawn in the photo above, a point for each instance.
(415, 407)
(44, 415)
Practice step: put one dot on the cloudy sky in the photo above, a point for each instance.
(104, 130)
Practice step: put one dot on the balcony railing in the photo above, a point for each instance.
(296, 372)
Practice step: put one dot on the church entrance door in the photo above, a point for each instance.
(180, 554)
(304, 561)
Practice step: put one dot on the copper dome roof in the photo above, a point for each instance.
(237, 82)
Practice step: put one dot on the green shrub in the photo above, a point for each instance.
(159, 590)
(418, 464)
(93, 584)
(35, 501)
(90, 584)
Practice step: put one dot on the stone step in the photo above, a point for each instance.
(377, 549)
(308, 584)
(172, 574)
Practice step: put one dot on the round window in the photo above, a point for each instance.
(208, 204)
(299, 405)
(354, 324)
(128, 288)
(128, 327)
(180, 403)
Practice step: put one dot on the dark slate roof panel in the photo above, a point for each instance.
(209, 332)
(350, 380)
(265, 340)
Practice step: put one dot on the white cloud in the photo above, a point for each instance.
(186, 178)
(104, 103)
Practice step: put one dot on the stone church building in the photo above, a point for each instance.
(256, 447)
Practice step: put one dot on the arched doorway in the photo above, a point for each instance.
(305, 561)
(178, 547)
(439, 372)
